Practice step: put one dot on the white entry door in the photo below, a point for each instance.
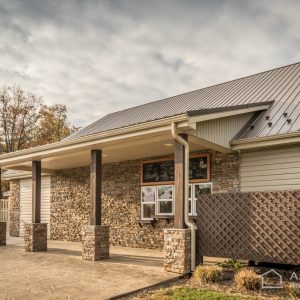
(26, 203)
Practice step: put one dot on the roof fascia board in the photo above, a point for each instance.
(207, 144)
(224, 114)
(273, 140)
(23, 156)
(15, 177)
(29, 169)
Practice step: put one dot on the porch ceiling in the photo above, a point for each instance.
(151, 146)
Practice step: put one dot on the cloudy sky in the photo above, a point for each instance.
(99, 56)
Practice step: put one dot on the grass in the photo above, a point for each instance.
(188, 293)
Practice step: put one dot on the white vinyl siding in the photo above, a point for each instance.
(222, 131)
(26, 203)
(271, 169)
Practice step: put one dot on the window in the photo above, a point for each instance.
(148, 201)
(190, 198)
(195, 191)
(161, 171)
(165, 199)
(157, 200)
(157, 184)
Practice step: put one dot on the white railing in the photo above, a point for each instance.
(4, 210)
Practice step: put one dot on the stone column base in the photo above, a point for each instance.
(35, 237)
(2, 233)
(177, 250)
(95, 242)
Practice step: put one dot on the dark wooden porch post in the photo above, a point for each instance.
(95, 186)
(0, 183)
(179, 184)
(36, 191)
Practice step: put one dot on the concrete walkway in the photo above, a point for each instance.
(60, 273)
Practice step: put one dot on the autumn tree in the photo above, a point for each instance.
(19, 114)
(53, 125)
(26, 122)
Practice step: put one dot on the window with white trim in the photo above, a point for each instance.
(148, 202)
(165, 199)
(195, 191)
(157, 200)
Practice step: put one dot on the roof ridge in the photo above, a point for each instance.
(203, 88)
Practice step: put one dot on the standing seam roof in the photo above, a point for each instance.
(281, 85)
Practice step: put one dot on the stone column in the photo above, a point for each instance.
(95, 242)
(35, 237)
(2, 233)
(95, 236)
(177, 250)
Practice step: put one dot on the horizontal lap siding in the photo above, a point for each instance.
(270, 169)
(26, 203)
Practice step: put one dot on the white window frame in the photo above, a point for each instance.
(157, 201)
(152, 202)
(194, 199)
(191, 198)
(165, 200)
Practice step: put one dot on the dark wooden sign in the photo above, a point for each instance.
(162, 170)
(199, 168)
(158, 171)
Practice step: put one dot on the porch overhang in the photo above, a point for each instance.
(145, 143)
(138, 141)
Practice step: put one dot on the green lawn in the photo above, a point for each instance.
(187, 293)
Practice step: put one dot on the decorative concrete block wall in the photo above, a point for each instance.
(14, 208)
(177, 250)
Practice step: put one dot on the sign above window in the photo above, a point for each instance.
(162, 170)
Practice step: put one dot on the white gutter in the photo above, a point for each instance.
(191, 225)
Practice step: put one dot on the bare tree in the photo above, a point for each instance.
(26, 122)
(19, 116)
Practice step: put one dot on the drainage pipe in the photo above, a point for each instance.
(191, 225)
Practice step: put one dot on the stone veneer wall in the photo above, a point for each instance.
(70, 204)
(121, 201)
(14, 206)
(225, 175)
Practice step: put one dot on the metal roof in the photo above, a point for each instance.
(281, 85)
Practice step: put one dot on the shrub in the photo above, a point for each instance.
(208, 274)
(231, 264)
(292, 290)
(247, 279)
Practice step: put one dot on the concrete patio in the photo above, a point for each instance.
(60, 273)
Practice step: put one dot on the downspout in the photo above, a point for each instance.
(189, 224)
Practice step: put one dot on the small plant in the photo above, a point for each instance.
(208, 274)
(247, 279)
(231, 264)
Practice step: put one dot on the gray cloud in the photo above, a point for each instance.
(101, 56)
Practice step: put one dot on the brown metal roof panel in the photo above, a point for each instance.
(279, 84)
